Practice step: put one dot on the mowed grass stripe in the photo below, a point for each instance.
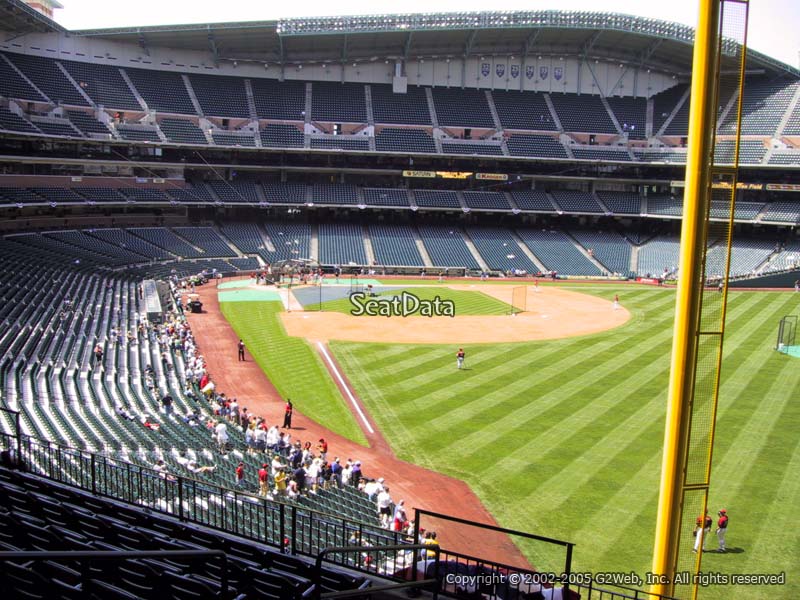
(426, 407)
(377, 401)
(567, 447)
(479, 364)
(532, 473)
(383, 357)
(292, 365)
(557, 354)
(585, 496)
(556, 394)
(561, 415)
(777, 536)
(574, 391)
(619, 531)
(575, 481)
(560, 490)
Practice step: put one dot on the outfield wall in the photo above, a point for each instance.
(784, 279)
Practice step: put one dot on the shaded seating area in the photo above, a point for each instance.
(500, 250)
(557, 252)
(446, 247)
(394, 245)
(341, 244)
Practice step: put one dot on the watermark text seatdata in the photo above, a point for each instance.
(404, 305)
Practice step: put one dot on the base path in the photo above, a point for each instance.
(551, 313)
(419, 487)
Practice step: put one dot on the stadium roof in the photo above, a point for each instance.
(634, 41)
(20, 18)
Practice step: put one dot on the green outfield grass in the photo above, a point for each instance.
(563, 438)
(466, 302)
(293, 366)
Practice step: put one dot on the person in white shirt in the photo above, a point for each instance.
(384, 502)
(221, 431)
(273, 435)
(346, 472)
(373, 488)
(312, 475)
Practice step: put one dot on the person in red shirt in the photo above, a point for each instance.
(322, 448)
(460, 355)
(263, 480)
(701, 529)
(240, 475)
(287, 416)
(722, 528)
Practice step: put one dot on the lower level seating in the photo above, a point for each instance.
(658, 255)
(787, 258)
(341, 244)
(500, 250)
(611, 249)
(446, 247)
(394, 245)
(557, 252)
(746, 255)
(40, 516)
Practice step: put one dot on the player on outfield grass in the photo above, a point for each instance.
(722, 528)
(460, 358)
(702, 528)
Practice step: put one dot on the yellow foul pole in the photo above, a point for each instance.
(702, 120)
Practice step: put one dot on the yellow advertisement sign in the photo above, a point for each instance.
(428, 174)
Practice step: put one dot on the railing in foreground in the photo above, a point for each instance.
(431, 584)
(296, 529)
(86, 557)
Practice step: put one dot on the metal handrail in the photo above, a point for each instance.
(421, 583)
(18, 427)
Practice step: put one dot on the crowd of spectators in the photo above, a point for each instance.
(290, 468)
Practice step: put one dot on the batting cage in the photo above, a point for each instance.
(787, 331)
(519, 299)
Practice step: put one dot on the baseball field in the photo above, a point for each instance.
(562, 437)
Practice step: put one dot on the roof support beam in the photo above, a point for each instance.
(407, 45)
(281, 58)
(644, 56)
(590, 42)
(467, 51)
(530, 41)
(584, 58)
(470, 42)
(344, 58)
(212, 44)
(526, 48)
(143, 42)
